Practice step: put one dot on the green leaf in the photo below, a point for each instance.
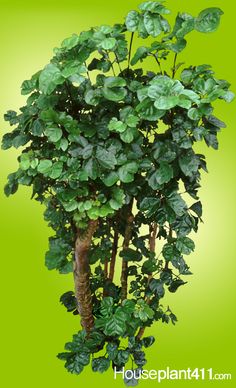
(148, 341)
(122, 357)
(162, 175)
(130, 254)
(58, 251)
(141, 53)
(185, 245)
(176, 202)
(127, 171)
(166, 102)
(148, 111)
(168, 252)
(132, 121)
(49, 78)
(208, 20)
(56, 170)
(143, 311)
(152, 24)
(110, 179)
(116, 325)
(106, 158)
(179, 45)
(116, 125)
(70, 42)
(228, 96)
(118, 198)
(108, 43)
(44, 166)
(156, 286)
(114, 82)
(53, 134)
(150, 205)
(175, 284)
(128, 135)
(112, 350)
(114, 94)
(92, 169)
(92, 97)
(25, 161)
(132, 21)
(197, 208)
(153, 6)
(194, 114)
(100, 364)
(189, 163)
(68, 300)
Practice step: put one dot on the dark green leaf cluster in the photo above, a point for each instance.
(98, 134)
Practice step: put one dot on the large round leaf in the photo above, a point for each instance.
(208, 20)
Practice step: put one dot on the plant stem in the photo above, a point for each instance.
(112, 67)
(158, 62)
(130, 48)
(87, 71)
(117, 60)
(113, 255)
(81, 276)
(126, 242)
(174, 66)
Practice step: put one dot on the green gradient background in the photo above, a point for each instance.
(34, 327)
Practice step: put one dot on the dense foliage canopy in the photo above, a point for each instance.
(108, 148)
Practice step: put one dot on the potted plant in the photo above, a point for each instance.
(109, 150)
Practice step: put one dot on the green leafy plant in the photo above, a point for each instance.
(108, 148)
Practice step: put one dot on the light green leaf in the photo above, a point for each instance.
(194, 114)
(128, 135)
(185, 245)
(49, 78)
(56, 170)
(208, 20)
(162, 175)
(114, 82)
(189, 163)
(140, 54)
(152, 24)
(132, 21)
(108, 43)
(106, 158)
(114, 94)
(127, 171)
(166, 102)
(44, 166)
(110, 179)
(53, 134)
(70, 42)
(25, 161)
(116, 125)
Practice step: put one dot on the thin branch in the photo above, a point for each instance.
(87, 71)
(113, 255)
(174, 66)
(130, 48)
(117, 60)
(112, 67)
(158, 62)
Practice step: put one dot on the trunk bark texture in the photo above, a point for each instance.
(81, 276)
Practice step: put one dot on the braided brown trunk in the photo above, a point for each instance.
(81, 276)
